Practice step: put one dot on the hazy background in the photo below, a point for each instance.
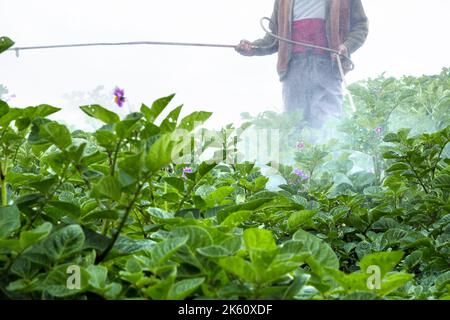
(406, 37)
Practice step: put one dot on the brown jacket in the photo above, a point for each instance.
(346, 23)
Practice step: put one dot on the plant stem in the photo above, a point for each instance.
(165, 202)
(105, 227)
(114, 160)
(136, 214)
(128, 209)
(418, 177)
(186, 195)
(3, 172)
(150, 188)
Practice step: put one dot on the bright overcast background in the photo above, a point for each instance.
(406, 37)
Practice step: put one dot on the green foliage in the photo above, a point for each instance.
(100, 113)
(128, 210)
(5, 44)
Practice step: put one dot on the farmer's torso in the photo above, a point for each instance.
(309, 24)
(331, 32)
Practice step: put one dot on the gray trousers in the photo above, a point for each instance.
(313, 87)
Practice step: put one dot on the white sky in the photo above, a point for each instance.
(406, 37)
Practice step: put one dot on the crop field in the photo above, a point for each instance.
(125, 212)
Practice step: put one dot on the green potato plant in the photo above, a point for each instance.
(133, 211)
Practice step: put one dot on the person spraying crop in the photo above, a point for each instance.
(310, 74)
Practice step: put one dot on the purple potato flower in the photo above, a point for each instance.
(378, 130)
(187, 170)
(301, 145)
(301, 174)
(119, 96)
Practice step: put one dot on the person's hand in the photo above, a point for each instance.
(343, 50)
(245, 48)
(346, 63)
